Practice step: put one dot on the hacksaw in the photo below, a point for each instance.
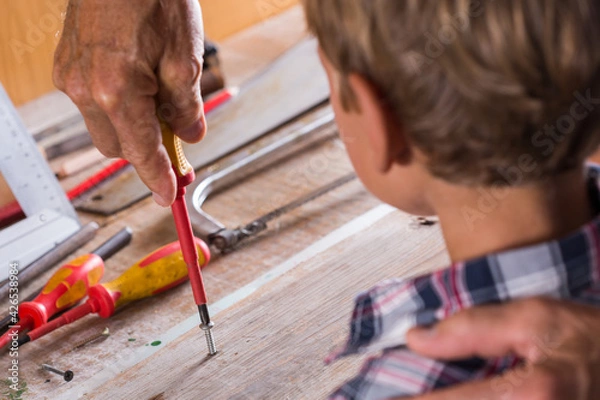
(292, 85)
(310, 130)
(50, 216)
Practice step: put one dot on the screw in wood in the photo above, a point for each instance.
(68, 374)
(206, 325)
(210, 340)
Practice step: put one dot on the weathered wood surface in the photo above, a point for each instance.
(153, 227)
(274, 342)
(148, 321)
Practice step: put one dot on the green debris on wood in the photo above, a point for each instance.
(14, 391)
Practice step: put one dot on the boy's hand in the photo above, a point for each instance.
(120, 60)
(559, 341)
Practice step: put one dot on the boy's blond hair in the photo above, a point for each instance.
(480, 86)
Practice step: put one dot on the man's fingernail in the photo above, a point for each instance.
(193, 133)
(160, 200)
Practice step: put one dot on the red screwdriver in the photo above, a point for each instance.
(67, 287)
(156, 273)
(185, 175)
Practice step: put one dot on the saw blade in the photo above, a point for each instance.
(301, 201)
(227, 240)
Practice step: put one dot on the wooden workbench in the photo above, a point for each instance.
(280, 303)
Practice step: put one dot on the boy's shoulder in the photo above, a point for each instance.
(562, 268)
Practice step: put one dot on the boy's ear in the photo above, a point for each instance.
(385, 137)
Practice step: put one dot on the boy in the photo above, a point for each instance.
(481, 112)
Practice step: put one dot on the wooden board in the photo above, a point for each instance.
(273, 342)
(294, 84)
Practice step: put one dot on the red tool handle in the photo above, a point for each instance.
(67, 318)
(190, 253)
(156, 273)
(66, 288)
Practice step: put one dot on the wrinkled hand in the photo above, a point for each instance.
(559, 341)
(122, 60)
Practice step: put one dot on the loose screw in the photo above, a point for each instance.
(68, 374)
(102, 335)
(417, 222)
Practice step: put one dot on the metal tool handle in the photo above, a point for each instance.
(114, 244)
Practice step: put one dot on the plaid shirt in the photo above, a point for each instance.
(566, 269)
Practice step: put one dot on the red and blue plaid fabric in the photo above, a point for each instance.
(565, 269)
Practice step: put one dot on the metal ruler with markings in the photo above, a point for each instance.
(50, 216)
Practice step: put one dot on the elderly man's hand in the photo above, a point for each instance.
(559, 341)
(121, 62)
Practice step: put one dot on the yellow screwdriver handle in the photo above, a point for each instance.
(174, 147)
(156, 273)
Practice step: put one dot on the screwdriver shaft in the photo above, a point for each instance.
(185, 234)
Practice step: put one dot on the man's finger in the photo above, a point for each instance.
(127, 96)
(489, 331)
(180, 99)
(141, 144)
(104, 135)
(179, 71)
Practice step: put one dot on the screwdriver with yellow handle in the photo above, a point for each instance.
(185, 175)
(67, 287)
(156, 273)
